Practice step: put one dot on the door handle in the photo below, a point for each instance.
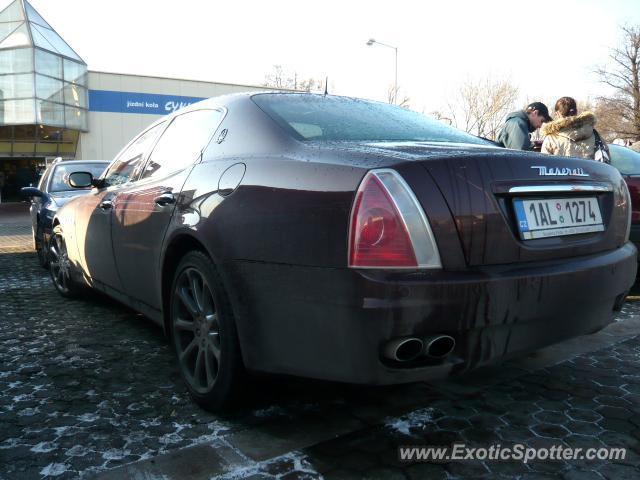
(166, 198)
(106, 204)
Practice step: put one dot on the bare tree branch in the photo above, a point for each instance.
(279, 78)
(621, 111)
(481, 105)
(393, 97)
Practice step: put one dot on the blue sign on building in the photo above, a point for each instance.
(133, 102)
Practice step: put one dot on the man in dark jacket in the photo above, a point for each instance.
(516, 129)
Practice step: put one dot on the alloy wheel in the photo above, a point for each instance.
(196, 330)
(59, 264)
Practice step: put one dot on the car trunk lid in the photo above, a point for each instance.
(480, 186)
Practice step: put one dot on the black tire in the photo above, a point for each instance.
(60, 267)
(41, 249)
(203, 333)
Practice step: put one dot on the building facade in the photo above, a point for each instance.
(52, 106)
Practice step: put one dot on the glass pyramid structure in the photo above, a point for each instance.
(43, 81)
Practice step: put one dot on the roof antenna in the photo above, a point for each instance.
(326, 85)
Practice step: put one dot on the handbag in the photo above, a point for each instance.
(601, 153)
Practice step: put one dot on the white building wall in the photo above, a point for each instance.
(109, 131)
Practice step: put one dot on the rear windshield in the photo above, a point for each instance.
(328, 118)
(60, 176)
(625, 160)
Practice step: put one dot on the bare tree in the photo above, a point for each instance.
(438, 115)
(481, 105)
(610, 124)
(279, 78)
(394, 97)
(623, 75)
(276, 78)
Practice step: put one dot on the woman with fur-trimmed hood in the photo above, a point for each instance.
(570, 135)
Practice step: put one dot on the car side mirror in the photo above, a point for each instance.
(32, 192)
(81, 179)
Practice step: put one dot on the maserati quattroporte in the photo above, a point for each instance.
(344, 239)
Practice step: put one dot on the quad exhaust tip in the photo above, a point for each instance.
(438, 346)
(405, 349)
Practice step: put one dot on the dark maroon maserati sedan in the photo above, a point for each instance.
(343, 239)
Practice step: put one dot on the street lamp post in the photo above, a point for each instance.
(370, 42)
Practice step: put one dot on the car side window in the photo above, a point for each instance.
(128, 162)
(182, 142)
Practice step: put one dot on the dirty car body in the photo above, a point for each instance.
(52, 193)
(357, 241)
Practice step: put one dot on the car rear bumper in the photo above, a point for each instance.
(333, 323)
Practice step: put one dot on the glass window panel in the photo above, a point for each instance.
(46, 148)
(24, 132)
(82, 80)
(74, 72)
(12, 13)
(48, 88)
(320, 118)
(5, 147)
(16, 86)
(16, 61)
(7, 28)
(124, 168)
(70, 135)
(6, 133)
(49, 134)
(75, 95)
(19, 38)
(40, 41)
(24, 147)
(35, 16)
(17, 111)
(48, 64)
(67, 148)
(56, 41)
(50, 113)
(76, 118)
(182, 142)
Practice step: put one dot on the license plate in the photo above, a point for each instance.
(553, 217)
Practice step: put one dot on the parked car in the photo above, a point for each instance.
(52, 192)
(346, 240)
(628, 164)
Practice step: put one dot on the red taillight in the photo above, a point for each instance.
(378, 237)
(633, 183)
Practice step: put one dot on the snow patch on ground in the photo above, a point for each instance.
(88, 417)
(417, 419)
(28, 412)
(9, 443)
(60, 430)
(116, 454)
(77, 451)
(257, 470)
(44, 447)
(54, 469)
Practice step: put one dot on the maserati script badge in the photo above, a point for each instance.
(555, 171)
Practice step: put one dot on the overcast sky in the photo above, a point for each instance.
(546, 48)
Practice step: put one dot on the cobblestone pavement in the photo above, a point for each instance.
(15, 228)
(87, 386)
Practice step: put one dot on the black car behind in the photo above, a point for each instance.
(52, 192)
